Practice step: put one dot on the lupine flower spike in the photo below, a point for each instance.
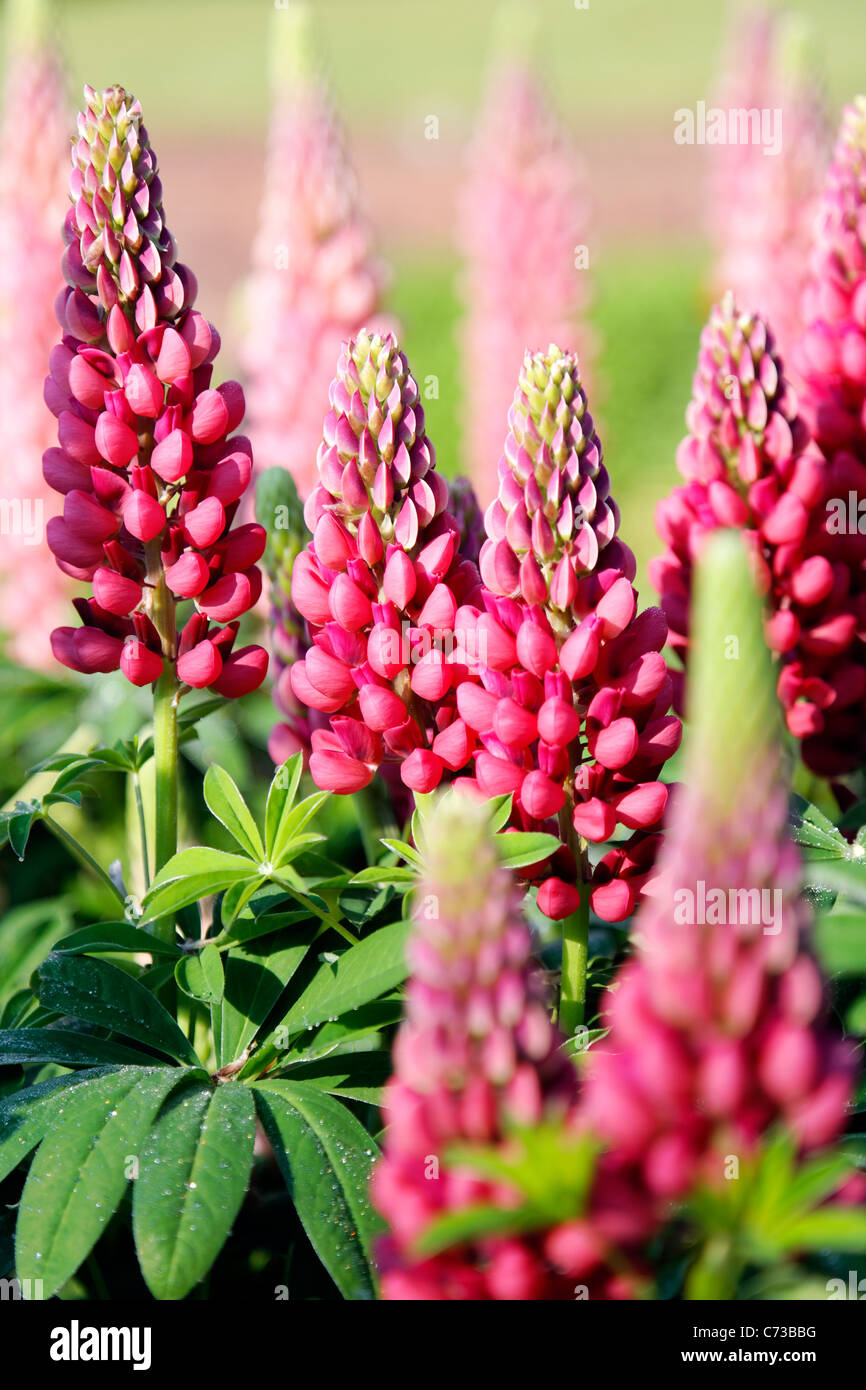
(572, 710)
(380, 585)
(749, 463)
(832, 362)
(33, 164)
(718, 1027)
(476, 1054)
(522, 225)
(315, 280)
(279, 510)
(762, 206)
(150, 476)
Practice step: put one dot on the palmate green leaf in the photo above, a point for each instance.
(298, 845)
(500, 810)
(199, 861)
(26, 1114)
(817, 835)
(326, 1158)
(843, 876)
(291, 841)
(18, 829)
(840, 1228)
(281, 799)
(360, 974)
(119, 937)
(477, 1222)
(21, 1046)
(404, 851)
(840, 941)
(384, 874)
(91, 989)
(854, 818)
(354, 1076)
(194, 874)
(524, 847)
(200, 975)
(224, 801)
(247, 928)
(81, 1169)
(193, 1175)
(28, 932)
(550, 1167)
(235, 898)
(855, 1017)
(360, 908)
(15, 1008)
(256, 975)
(346, 1031)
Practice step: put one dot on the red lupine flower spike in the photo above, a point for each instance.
(718, 1032)
(151, 481)
(573, 680)
(749, 463)
(380, 585)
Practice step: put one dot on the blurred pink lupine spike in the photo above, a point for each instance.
(831, 357)
(33, 163)
(523, 223)
(476, 1052)
(762, 206)
(315, 280)
(748, 462)
(718, 1031)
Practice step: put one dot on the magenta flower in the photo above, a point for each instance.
(718, 1027)
(749, 463)
(762, 208)
(33, 145)
(523, 223)
(831, 359)
(571, 712)
(380, 585)
(477, 1052)
(315, 280)
(150, 476)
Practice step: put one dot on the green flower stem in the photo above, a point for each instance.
(326, 918)
(575, 953)
(575, 932)
(715, 1274)
(83, 856)
(161, 611)
(165, 752)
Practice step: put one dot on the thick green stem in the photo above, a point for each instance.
(165, 752)
(572, 994)
(575, 933)
(160, 609)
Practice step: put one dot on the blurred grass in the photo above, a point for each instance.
(203, 63)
